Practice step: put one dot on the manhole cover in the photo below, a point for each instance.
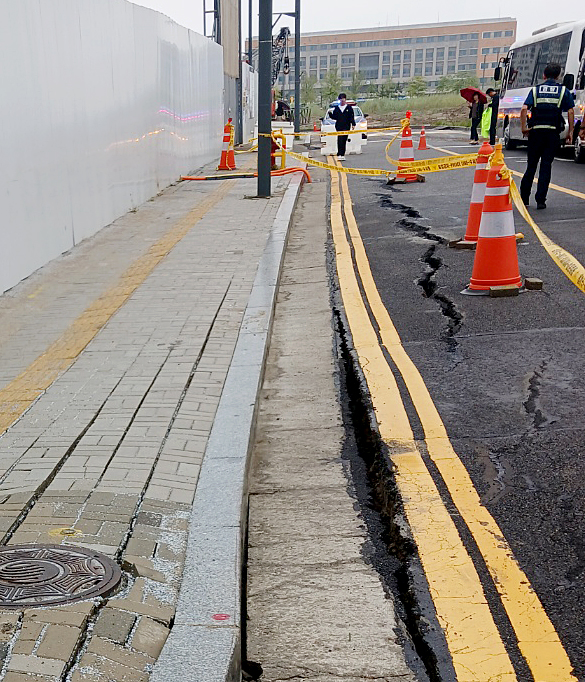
(46, 575)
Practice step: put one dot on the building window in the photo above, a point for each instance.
(440, 53)
(303, 63)
(462, 67)
(322, 74)
(462, 53)
(323, 62)
(303, 48)
(313, 74)
(314, 48)
(506, 49)
(486, 34)
(494, 64)
(420, 39)
(508, 33)
(348, 60)
(396, 70)
(484, 66)
(407, 55)
(385, 71)
(485, 50)
(407, 41)
(396, 57)
(418, 69)
(313, 62)
(496, 50)
(345, 45)
(439, 69)
(418, 55)
(369, 64)
(428, 69)
(406, 70)
(431, 39)
(333, 61)
(497, 34)
(452, 52)
(347, 73)
(473, 36)
(473, 51)
(441, 39)
(430, 54)
(463, 36)
(451, 67)
(385, 58)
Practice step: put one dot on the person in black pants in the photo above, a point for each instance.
(475, 114)
(344, 119)
(494, 105)
(546, 102)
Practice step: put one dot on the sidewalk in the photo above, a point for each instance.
(122, 364)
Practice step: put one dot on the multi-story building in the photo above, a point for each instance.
(399, 53)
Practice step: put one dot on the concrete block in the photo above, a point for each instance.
(504, 290)
(149, 637)
(533, 283)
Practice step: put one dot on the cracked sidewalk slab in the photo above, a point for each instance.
(316, 607)
(110, 456)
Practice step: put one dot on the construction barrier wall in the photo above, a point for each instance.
(105, 103)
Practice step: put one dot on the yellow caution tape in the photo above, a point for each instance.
(341, 169)
(569, 265)
(441, 163)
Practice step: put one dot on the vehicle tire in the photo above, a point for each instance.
(579, 151)
(508, 142)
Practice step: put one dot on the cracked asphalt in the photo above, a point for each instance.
(507, 375)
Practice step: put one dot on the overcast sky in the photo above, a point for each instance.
(323, 15)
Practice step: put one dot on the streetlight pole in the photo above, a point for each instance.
(297, 65)
(264, 96)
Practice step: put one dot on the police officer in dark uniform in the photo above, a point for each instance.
(344, 119)
(546, 102)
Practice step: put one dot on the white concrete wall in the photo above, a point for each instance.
(249, 101)
(104, 103)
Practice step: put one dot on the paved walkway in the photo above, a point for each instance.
(113, 359)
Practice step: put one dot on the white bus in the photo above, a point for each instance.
(562, 44)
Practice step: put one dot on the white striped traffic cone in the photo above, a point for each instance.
(224, 161)
(406, 154)
(496, 256)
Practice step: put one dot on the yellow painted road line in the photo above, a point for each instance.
(537, 638)
(17, 396)
(559, 188)
(475, 644)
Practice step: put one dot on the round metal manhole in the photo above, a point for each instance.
(52, 575)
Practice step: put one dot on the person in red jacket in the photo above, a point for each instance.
(344, 119)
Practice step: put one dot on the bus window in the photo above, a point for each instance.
(528, 62)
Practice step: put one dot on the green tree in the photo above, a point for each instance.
(357, 81)
(389, 88)
(308, 92)
(417, 86)
(466, 79)
(332, 85)
(447, 84)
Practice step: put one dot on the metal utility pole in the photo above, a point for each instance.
(297, 65)
(250, 51)
(264, 96)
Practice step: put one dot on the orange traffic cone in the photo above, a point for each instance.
(422, 141)
(406, 154)
(231, 156)
(315, 127)
(496, 256)
(477, 196)
(227, 136)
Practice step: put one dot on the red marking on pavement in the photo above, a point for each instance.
(221, 616)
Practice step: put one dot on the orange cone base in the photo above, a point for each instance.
(403, 179)
(495, 264)
(231, 159)
(473, 222)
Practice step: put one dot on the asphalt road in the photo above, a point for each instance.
(507, 375)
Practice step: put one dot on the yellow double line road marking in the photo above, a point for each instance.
(17, 396)
(476, 647)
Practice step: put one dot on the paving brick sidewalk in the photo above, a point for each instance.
(107, 456)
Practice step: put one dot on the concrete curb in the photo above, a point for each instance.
(205, 642)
